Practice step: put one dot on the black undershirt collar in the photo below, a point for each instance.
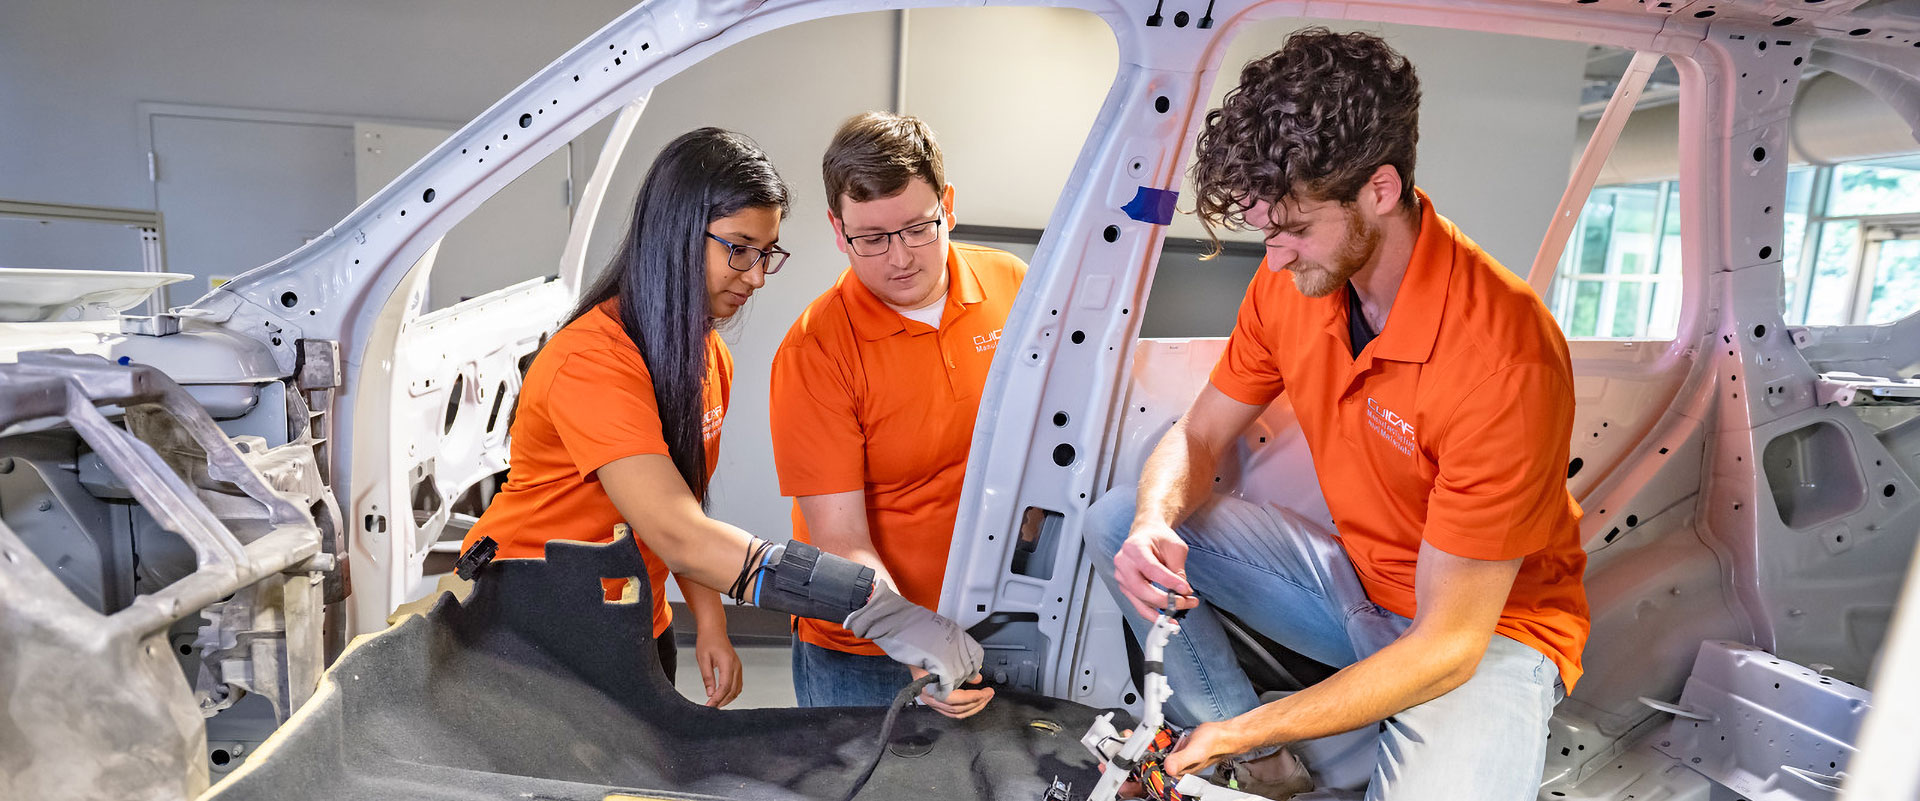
(1359, 331)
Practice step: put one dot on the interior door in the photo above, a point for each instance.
(238, 193)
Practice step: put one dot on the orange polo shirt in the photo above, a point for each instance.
(587, 401)
(866, 399)
(1452, 427)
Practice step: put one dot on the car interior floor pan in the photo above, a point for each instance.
(536, 687)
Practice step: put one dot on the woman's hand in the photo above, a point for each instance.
(712, 649)
(719, 666)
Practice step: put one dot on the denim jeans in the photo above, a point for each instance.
(1288, 578)
(825, 677)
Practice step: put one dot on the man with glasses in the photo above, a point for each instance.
(875, 389)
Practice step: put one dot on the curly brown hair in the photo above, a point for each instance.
(875, 154)
(1312, 121)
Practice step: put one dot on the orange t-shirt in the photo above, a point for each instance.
(587, 401)
(866, 399)
(1452, 427)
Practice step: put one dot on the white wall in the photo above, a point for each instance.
(73, 72)
(1494, 132)
(1497, 115)
(1011, 117)
(1012, 92)
(750, 89)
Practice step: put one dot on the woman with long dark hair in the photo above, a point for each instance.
(619, 422)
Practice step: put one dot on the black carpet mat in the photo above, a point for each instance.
(536, 688)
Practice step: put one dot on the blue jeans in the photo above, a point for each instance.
(825, 677)
(1288, 578)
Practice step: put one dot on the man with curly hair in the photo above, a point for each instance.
(1435, 393)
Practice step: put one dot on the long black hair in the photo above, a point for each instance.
(660, 273)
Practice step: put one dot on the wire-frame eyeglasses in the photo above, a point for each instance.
(744, 257)
(913, 236)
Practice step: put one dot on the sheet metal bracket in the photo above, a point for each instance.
(1764, 727)
(1854, 389)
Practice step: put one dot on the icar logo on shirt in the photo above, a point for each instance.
(1390, 426)
(710, 422)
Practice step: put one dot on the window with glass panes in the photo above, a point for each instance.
(1620, 273)
(1859, 255)
(1850, 252)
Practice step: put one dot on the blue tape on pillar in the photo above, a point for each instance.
(1150, 205)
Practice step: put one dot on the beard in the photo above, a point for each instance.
(1356, 249)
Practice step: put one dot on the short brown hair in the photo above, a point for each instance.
(875, 154)
(1314, 120)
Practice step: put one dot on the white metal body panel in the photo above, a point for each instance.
(1670, 434)
(1685, 519)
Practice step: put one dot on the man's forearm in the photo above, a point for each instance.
(1402, 675)
(837, 524)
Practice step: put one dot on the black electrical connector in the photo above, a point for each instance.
(475, 557)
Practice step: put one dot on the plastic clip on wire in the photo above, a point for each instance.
(1141, 754)
(1123, 757)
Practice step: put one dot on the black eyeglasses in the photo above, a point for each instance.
(744, 257)
(913, 236)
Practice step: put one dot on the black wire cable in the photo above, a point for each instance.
(900, 700)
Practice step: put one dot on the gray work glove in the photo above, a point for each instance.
(912, 634)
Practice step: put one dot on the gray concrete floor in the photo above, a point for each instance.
(766, 676)
(762, 639)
